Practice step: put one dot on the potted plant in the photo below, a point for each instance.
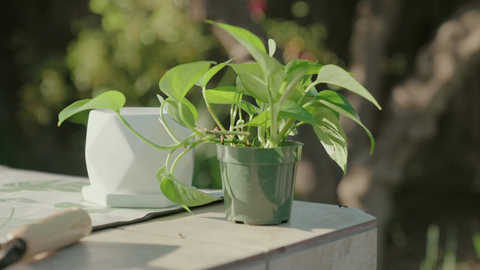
(258, 163)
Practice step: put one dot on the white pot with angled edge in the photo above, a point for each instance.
(122, 167)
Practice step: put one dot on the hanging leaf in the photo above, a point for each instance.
(111, 100)
(335, 75)
(331, 135)
(339, 103)
(179, 193)
(179, 80)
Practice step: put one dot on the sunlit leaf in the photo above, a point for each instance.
(331, 135)
(179, 80)
(335, 75)
(339, 103)
(254, 46)
(112, 100)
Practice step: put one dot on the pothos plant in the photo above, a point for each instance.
(285, 98)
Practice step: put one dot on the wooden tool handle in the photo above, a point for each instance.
(53, 232)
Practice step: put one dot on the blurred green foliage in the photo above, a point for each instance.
(128, 45)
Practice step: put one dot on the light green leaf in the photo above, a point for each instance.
(290, 109)
(254, 46)
(249, 107)
(179, 193)
(335, 75)
(203, 81)
(339, 103)
(331, 135)
(272, 47)
(221, 95)
(251, 77)
(189, 111)
(260, 119)
(112, 100)
(179, 80)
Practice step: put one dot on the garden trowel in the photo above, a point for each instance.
(51, 233)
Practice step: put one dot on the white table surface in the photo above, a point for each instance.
(319, 236)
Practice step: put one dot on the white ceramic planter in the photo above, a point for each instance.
(121, 167)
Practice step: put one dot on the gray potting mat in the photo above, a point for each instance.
(26, 196)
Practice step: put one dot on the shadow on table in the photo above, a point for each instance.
(88, 255)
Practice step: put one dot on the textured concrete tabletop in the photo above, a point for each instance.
(319, 236)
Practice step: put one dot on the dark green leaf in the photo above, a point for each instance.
(331, 135)
(339, 103)
(112, 100)
(290, 109)
(335, 75)
(179, 80)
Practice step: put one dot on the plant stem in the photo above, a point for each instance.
(233, 112)
(195, 144)
(306, 91)
(165, 126)
(220, 132)
(210, 110)
(156, 146)
(273, 117)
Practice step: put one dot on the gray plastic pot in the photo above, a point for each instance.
(258, 183)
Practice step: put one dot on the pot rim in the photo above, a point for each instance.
(294, 144)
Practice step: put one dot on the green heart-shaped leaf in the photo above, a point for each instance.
(179, 193)
(179, 80)
(112, 100)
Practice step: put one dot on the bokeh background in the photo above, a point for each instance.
(420, 59)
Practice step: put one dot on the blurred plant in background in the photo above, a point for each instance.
(127, 46)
